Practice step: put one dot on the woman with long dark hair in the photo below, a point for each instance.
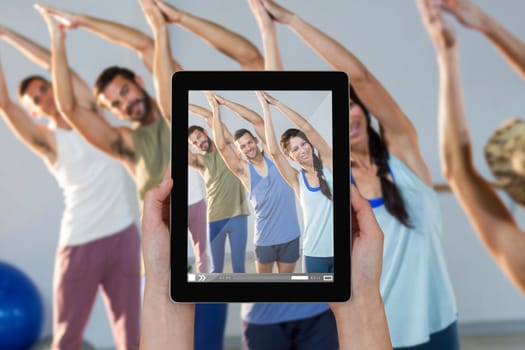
(388, 169)
(312, 184)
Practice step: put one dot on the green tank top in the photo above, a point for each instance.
(152, 154)
(224, 191)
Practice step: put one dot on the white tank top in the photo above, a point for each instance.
(93, 184)
(196, 189)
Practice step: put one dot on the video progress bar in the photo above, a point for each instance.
(260, 277)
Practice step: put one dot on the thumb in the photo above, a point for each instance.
(153, 204)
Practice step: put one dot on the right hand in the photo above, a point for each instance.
(212, 101)
(465, 11)
(262, 99)
(277, 12)
(261, 15)
(171, 13)
(221, 100)
(66, 19)
(367, 250)
(153, 14)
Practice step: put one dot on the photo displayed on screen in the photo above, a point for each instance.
(260, 191)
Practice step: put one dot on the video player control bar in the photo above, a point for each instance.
(260, 277)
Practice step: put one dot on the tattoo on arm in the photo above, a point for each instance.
(197, 164)
(93, 106)
(120, 148)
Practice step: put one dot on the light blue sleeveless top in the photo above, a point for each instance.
(273, 202)
(268, 313)
(415, 284)
(318, 214)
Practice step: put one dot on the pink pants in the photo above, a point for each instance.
(197, 228)
(111, 263)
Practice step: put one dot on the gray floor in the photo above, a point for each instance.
(470, 342)
(494, 342)
(482, 342)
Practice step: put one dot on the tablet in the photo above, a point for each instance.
(260, 207)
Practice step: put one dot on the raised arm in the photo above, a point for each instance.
(163, 64)
(398, 132)
(79, 108)
(492, 222)
(285, 169)
(247, 114)
(272, 56)
(231, 44)
(234, 163)
(208, 117)
(325, 151)
(38, 139)
(35, 52)
(115, 32)
(472, 16)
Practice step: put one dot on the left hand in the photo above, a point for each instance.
(439, 30)
(51, 21)
(156, 233)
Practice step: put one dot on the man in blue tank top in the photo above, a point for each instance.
(276, 226)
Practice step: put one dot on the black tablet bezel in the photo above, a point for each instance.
(183, 291)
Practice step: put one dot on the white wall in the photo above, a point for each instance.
(386, 35)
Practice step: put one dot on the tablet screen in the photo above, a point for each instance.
(266, 171)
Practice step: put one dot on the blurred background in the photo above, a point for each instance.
(386, 35)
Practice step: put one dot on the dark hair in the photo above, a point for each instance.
(108, 75)
(192, 128)
(392, 198)
(318, 165)
(24, 84)
(240, 133)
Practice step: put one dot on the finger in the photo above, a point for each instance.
(153, 203)
(363, 212)
(167, 173)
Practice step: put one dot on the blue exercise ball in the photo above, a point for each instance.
(21, 310)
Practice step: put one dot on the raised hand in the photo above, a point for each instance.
(261, 15)
(210, 96)
(277, 12)
(55, 30)
(269, 98)
(465, 11)
(262, 99)
(171, 13)
(66, 19)
(439, 30)
(153, 14)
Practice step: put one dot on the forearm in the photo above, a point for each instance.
(363, 324)
(231, 44)
(61, 76)
(218, 130)
(121, 34)
(454, 139)
(36, 53)
(272, 55)
(247, 114)
(512, 48)
(166, 325)
(298, 120)
(329, 49)
(271, 138)
(162, 71)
